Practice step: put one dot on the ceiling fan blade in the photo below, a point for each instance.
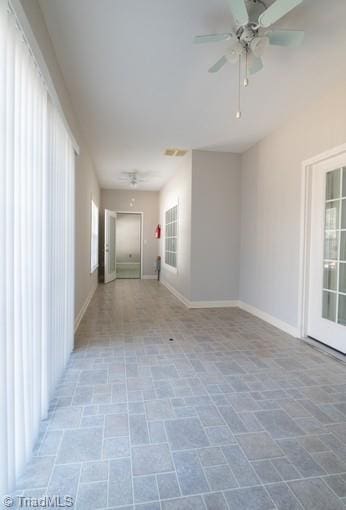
(217, 66)
(276, 11)
(255, 64)
(291, 38)
(239, 12)
(200, 39)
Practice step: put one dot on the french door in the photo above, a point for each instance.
(327, 282)
(109, 248)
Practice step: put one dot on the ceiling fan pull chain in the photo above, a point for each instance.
(246, 78)
(238, 114)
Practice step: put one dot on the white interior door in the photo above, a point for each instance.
(327, 283)
(110, 257)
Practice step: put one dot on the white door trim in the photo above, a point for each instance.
(305, 230)
(141, 213)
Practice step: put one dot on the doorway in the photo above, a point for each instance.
(128, 245)
(325, 256)
(123, 245)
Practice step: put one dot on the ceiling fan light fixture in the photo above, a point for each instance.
(235, 52)
(258, 45)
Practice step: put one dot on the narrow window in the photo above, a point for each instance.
(171, 236)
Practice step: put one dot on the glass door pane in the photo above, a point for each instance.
(333, 185)
(342, 310)
(334, 266)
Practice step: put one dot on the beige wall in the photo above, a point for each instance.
(87, 188)
(86, 181)
(271, 180)
(146, 202)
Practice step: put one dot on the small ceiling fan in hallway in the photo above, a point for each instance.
(133, 178)
(252, 35)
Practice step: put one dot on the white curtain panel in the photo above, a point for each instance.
(59, 269)
(36, 249)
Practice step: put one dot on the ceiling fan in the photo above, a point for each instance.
(132, 178)
(252, 35)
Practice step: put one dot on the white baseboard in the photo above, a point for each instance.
(176, 293)
(270, 319)
(214, 304)
(149, 277)
(199, 304)
(278, 323)
(82, 311)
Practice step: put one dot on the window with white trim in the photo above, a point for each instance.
(94, 248)
(171, 236)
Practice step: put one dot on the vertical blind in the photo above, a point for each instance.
(36, 248)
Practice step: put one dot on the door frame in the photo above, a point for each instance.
(305, 233)
(142, 240)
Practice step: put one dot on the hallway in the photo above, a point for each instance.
(165, 408)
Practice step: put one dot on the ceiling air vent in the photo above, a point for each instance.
(175, 152)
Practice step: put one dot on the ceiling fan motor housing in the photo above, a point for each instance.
(246, 34)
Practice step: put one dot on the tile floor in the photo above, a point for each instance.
(231, 414)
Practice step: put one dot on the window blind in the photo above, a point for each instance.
(36, 248)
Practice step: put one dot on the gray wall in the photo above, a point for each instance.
(146, 202)
(87, 186)
(207, 190)
(178, 190)
(271, 184)
(215, 235)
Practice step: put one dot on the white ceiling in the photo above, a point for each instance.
(139, 85)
